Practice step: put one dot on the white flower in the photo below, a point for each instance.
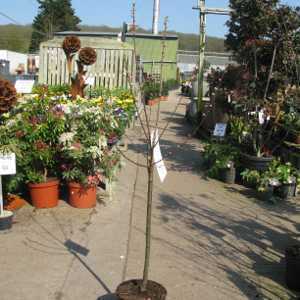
(66, 137)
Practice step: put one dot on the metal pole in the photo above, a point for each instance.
(156, 8)
(202, 16)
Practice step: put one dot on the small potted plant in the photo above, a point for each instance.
(284, 174)
(151, 91)
(220, 160)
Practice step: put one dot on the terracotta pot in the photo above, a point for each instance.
(163, 98)
(82, 196)
(14, 202)
(44, 195)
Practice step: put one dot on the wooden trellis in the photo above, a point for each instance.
(114, 67)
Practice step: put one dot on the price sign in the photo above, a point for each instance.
(24, 86)
(7, 164)
(220, 129)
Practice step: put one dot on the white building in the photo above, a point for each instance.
(16, 60)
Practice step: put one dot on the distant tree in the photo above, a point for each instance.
(53, 15)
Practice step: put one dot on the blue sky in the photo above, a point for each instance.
(114, 12)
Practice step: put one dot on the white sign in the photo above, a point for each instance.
(90, 80)
(7, 164)
(158, 160)
(220, 129)
(24, 86)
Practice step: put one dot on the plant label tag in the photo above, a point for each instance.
(7, 164)
(220, 129)
(90, 80)
(158, 160)
(24, 86)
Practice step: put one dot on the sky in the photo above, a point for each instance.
(114, 12)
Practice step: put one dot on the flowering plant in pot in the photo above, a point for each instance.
(36, 126)
(284, 177)
(82, 148)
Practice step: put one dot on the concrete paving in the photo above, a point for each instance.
(210, 240)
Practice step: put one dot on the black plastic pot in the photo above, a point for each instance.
(131, 290)
(267, 195)
(228, 175)
(6, 220)
(292, 256)
(284, 191)
(255, 163)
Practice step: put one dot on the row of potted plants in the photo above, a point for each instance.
(225, 162)
(153, 91)
(61, 140)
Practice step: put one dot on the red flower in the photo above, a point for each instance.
(20, 134)
(40, 145)
(33, 120)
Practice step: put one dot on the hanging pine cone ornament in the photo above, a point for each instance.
(8, 96)
(71, 45)
(87, 56)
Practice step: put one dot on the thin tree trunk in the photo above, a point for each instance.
(148, 221)
(271, 72)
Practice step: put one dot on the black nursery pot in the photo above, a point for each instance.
(255, 163)
(131, 290)
(284, 191)
(228, 175)
(292, 256)
(6, 220)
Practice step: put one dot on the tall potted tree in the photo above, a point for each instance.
(145, 289)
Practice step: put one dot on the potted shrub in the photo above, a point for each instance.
(81, 151)
(151, 91)
(36, 126)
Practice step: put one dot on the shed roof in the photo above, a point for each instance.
(87, 41)
(115, 34)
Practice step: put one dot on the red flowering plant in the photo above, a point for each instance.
(36, 127)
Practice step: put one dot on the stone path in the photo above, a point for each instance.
(210, 240)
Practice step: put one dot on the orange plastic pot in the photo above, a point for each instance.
(82, 196)
(44, 195)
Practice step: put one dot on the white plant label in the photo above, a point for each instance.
(24, 86)
(158, 160)
(220, 129)
(7, 164)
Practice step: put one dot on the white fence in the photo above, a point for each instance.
(113, 68)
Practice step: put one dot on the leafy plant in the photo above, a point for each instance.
(219, 156)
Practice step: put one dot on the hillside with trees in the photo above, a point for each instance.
(18, 38)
